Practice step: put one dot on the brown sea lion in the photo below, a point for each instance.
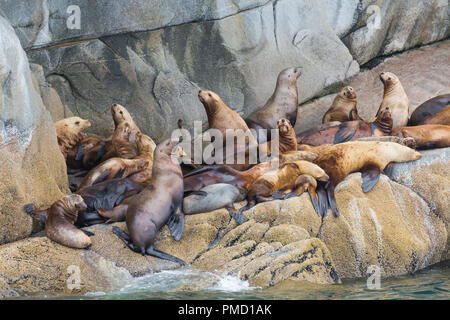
(87, 154)
(61, 217)
(370, 158)
(157, 205)
(442, 117)
(347, 131)
(395, 98)
(203, 177)
(282, 104)
(429, 108)
(303, 183)
(426, 136)
(70, 132)
(113, 167)
(124, 141)
(283, 178)
(287, 140)
(222, 118)
(343, 107)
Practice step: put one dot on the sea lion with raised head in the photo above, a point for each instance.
(429, 108)
(426, 136)
(157, 205)
(368, 157)
(347, 131)
(394, 97)
(282, 104)
(343, 107)
(61, 217)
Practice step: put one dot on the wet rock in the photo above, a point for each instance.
(32, 166)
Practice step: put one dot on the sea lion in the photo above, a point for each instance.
(282, 104)
(395, 98)
(283, 178)
(442, 117)
(203, 177)
(86, 155)
(426, 136)
(287, 140)
(213, 197)
(70, 131)
(343, 107)
(113, 167)
(303, 183)
(61, 217)
(297, 155)
(346, 131)
(370, 158)
(222, 118)
(429, 108)
(157, 205)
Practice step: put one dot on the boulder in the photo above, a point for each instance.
(32, 166)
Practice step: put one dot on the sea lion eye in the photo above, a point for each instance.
(121, 112)
(77, 123)
(209, 94)
(389, 78)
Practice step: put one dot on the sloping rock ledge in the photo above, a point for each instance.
(400, 226)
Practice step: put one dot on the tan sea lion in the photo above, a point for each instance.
(370, 158)
(124, 141)
(279, 179)
(426, 136)
(61, 217)
(429, 108)
(70, 132)
(157, 205)
(395, 98)
(343, 107)
(221, 117)
(113, 167)
(347, 131)
(442, 117)
(282, 104)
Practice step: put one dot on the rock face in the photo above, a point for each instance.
(32, 167)
(422, 73)
(398, 228)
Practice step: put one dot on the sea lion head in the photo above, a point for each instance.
(284, 125)
(75, 202)
(304, 181)
(171, 147)
(209, 99)
(289, 75)
(71, 130)
(120, 114)
(388, 78)
(348, 93)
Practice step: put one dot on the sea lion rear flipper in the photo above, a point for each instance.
(176, 224)
(314, 200)
(88, 233)
(322, 201)
(165, 256)
(122, 235)
(194, 192)
(119, 174)
(388, 170)
(346, 132)
(331, 198)
(370, 175)
(237, 215)
(40, 215)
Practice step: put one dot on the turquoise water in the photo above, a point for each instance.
(430, 283)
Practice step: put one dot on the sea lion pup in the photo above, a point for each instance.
(198, 179)
(287, 140)
(70, 131)
(283, 178)
(442, 117)
(157, 205)
(395, 98)
(426, 136)
(61, 217)
(367, 157)
(224, 119)
(282, 104)
(350, 130)
(213, 197)
(429, 108)
(113, 167)
(343, 107)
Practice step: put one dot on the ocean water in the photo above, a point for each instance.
(430, 283)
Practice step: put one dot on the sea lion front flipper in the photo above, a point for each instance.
(40, 215)
(346, 131)
(122, 235)
(102, 177)
(165, 256)
(314, 199)
(332, 199)
(370, 175)
(88, 233)
(237, 215)
(322, 200)
(176, 224)
(80, 153)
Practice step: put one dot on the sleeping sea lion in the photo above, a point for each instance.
(442, 117)
(426, 136)
(429, 108)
